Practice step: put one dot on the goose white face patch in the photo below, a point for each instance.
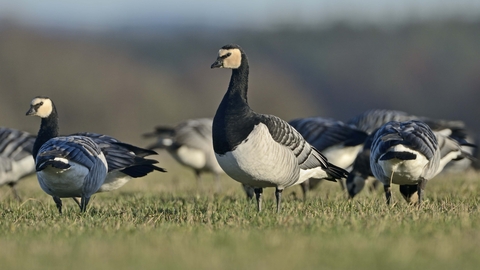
(44, 107)
(234, 60)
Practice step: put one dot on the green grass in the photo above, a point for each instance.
(165, 222)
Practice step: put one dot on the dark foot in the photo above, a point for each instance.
(278, 195)
(421, 191)
(14, 191)
(77, 202)
(258, 195)
(83, 203)
(58, 202)
(305, 188)
(388, 193)
(249, 191)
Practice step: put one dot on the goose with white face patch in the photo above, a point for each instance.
(68, 166)
(125, 161)
(16, 161)
(261, 150)
(409, 154)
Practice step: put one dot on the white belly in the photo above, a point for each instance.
(190, 157)
(114, 180)
(18, 170)
(63, 183)
(404, 172)
(341, 156)
(261, 162)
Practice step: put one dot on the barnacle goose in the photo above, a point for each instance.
(339, 142)
(16, 160)
(409, 154)
(371, 120)
(67, 166)
(257, 149)
(190, 144)
(125, 161)
(361, 172)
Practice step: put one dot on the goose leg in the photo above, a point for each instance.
(278, 195)
(14, 190)
(421, 190)
(305, 188)
(83, 203)
(374, 185)
(258, 195)
(77, 202)
(342, 184)
(388, 193)
(249, 191)
(58, 202)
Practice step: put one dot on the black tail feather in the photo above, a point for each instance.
(335, 172)
(141, 170)
(141, 152)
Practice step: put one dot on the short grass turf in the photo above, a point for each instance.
(168, 221)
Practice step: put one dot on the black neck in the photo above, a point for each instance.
(48, 130)
(234, 119)
(239, 83)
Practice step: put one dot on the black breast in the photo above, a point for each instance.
(232, 124)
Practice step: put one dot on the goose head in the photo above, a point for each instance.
(355, 183)
(41, 107)
(229, 56)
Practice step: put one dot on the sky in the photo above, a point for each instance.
(104, 14)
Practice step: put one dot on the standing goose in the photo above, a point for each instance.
(409, 154)
(16, 160)
(339, 142)
(256, 149)
(68, 166)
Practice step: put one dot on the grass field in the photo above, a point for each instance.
(165, 222)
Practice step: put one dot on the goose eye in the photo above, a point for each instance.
(226, 55)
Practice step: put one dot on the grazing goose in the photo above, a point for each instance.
(370, 121)
(409, 154)
(68, 166)
(190, 144)
(361, 172)
(16, 161)
(339, 142)
(261, 150)
(125, 161)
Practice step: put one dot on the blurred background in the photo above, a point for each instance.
(123, 67)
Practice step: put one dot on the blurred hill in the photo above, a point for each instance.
(124, 82)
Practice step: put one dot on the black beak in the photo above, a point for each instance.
(217, 64)
(31, 111)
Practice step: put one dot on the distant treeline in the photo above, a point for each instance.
(123, 82)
